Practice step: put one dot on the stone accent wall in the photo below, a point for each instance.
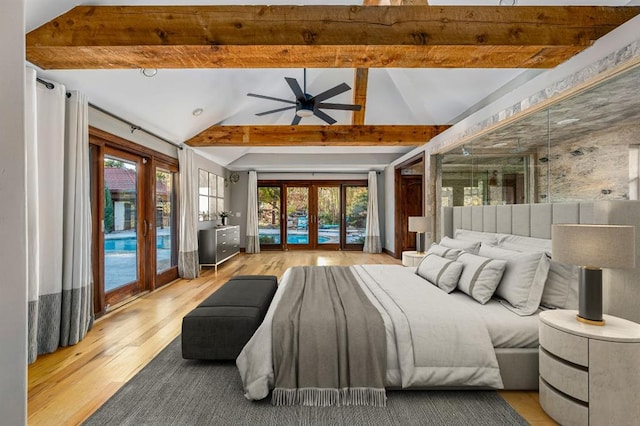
(602, 166)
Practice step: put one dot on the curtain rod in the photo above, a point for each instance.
(364, 172)
(132, 126)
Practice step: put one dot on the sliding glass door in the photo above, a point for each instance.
(328, 208)
(134, 215)
(298, 220)
(122, 214)
(317, 215)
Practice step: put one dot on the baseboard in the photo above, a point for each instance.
(390, 253)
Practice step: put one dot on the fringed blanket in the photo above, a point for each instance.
(329, 345)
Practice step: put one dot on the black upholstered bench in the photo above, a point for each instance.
(220, 326)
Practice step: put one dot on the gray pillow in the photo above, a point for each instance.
(480, 276)
(523, 279)
(484, 237)
(442, 251)
(470, 246)
(439, 271)
(561, 288)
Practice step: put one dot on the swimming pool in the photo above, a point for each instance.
(129, 244)
(291, 239)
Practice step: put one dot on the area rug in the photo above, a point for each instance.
(174, 391)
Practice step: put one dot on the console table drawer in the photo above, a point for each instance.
(562, 409)
(569, 379)
(573, 348)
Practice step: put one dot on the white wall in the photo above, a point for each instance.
(204, 163)
(13, 261)
(116, 127)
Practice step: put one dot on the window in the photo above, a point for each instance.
(210, 195)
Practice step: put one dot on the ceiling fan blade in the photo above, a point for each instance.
(321, 115)
(346, 107)
(296, 120)
(297, 90)
(275, 110)
(271, 99)
(335, 91)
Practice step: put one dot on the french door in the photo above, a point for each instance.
(124, 225)
(312, 215)
(134, 219)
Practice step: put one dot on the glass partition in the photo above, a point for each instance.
(581, 148)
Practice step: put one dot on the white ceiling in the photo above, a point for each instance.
(164, 104)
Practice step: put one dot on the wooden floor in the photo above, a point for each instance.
(67, 386)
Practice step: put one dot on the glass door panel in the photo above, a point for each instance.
(328, 213)
(121, 210)
(165, 219)
(356, 201)
(269, 212)
(297, 216)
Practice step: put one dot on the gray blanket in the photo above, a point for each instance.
(329, 344)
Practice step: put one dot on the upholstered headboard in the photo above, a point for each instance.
(621, 286)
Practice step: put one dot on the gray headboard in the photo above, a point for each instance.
(621, 286)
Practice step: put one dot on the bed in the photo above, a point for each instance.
(486, 338)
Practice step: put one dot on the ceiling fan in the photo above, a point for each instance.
(307, 105)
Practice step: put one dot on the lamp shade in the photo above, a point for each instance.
(595, 246)
(419, 224)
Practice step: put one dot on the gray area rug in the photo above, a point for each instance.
(174, 391)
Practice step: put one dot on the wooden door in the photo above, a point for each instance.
(410, 205)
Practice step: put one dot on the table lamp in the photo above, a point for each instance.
(593, 247)
(421, 225)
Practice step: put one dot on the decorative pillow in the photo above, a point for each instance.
(439, 271)
(561, 288)
(442, 251)
(524, 277)
(483, 237)
(520, 243)
(470, 246)
(480, 276)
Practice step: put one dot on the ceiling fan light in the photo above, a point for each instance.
(304, 112)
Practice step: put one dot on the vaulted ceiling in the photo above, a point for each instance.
(415, 69)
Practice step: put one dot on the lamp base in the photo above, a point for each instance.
(420, 242)
(588, 321)
(590, 297)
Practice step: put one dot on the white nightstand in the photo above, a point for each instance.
(412, 258)
(589, 375)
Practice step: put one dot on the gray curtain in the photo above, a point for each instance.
(372, 242)
(252, 244)
(59, 275)
(188, 266)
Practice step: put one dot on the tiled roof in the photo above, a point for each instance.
(124, 180)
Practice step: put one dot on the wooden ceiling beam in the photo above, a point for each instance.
(336, 135)
(360, 84)
(103, 37)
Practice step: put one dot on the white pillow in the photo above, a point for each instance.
(442, 251)
(561, 287)
(470, 246)
(439, 271)
(483, 237)
(523, 279)
(520, 243)
(480, 276)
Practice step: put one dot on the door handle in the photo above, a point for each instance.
(144, 227)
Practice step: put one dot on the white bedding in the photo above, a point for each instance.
(426, 346)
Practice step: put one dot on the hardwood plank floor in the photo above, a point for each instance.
(67, 386)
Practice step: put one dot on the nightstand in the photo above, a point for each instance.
(589, 375)
(412, 258)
